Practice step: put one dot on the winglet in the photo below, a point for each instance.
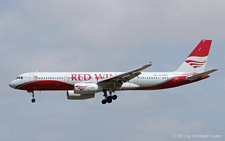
(146, 66)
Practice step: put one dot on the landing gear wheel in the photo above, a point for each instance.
(104, 101)
(109, 100)
(33, 100)
(114, 97)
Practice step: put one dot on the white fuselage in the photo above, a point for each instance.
(65, 80)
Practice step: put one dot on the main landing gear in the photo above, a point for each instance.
(32, 93)
(108, 99)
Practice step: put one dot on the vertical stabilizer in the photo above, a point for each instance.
(197, 60)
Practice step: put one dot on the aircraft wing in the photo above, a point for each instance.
(118, 80)
(200, 75)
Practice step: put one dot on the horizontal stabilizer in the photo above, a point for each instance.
(200, 75)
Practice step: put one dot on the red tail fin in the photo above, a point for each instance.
(196, 61)
(202, 49)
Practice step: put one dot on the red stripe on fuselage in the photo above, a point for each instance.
(46, 85)
(174, 82)
(41, 85)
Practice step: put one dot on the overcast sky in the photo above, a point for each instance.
(112, 35)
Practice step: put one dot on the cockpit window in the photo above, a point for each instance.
(19, 77)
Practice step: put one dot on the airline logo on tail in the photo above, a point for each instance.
(199, 55)
(195, 64)
(197, 60)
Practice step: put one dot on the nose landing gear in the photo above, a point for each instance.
(33, 100)
(32, 93)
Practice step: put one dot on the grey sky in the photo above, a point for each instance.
(113, 35)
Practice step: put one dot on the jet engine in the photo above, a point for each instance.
(73, 96)
(83, 91)
(87, 88)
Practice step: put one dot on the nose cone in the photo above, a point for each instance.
(12, 84)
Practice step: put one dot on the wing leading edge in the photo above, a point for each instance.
(118, 80)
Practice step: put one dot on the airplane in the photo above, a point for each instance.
(84, 85)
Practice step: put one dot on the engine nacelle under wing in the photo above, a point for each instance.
(87, 88)
(83, 91)
(73, 96)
